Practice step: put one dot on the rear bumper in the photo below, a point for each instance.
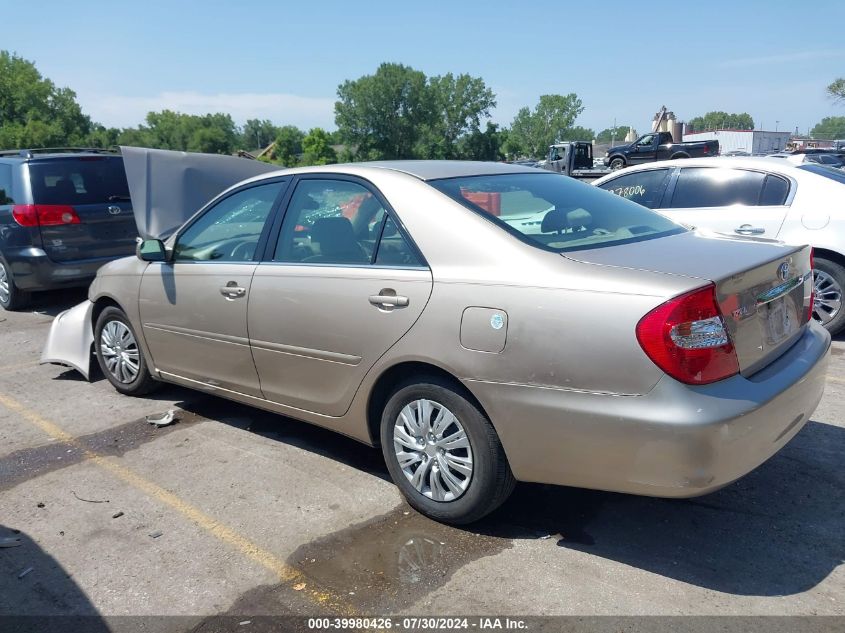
(33, 270)
(675, 441)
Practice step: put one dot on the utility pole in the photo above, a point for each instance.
(776, 125)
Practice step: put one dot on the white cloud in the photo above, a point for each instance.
(283, 109)
(784, 58)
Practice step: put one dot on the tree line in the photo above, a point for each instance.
(396, 112)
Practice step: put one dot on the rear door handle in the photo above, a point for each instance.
(389, 300)
(747, 229)
(232, 290)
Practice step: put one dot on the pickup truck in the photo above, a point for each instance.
(657, 146)
(573, 158)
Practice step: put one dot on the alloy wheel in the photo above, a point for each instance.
(120, 351)
(433, 450)
(5, 290)
(827, 297)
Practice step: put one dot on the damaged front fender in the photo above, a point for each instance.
(70, 339)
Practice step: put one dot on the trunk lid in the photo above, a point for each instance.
(763, 287)
(95, 189)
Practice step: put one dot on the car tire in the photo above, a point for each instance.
(617, 163)
(477, 479)
(828, 286)
(11, 297)
(119, 354)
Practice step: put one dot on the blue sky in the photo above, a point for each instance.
(283, 61)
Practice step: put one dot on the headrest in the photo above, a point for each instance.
(555, 220)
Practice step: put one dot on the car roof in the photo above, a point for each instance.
(26, 155)
(425, 169)
(766, 163)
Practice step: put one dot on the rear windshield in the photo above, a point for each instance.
(557, 213)
(79, 180)
(822, 170)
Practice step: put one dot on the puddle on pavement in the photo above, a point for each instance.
(389, 562)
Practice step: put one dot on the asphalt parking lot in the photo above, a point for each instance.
(237, 511)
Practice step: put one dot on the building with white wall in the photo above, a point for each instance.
(751, 141)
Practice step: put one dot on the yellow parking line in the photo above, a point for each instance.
(286, 574)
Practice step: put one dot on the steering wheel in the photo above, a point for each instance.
(243, 251)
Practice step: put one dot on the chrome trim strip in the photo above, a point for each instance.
(779, 291)
(209, 336)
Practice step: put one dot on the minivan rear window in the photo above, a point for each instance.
(78, 180)
(555, 212)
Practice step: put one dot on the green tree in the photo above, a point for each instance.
(288, 146)
(532, 132)
(33, 111)
(608, 134)
(101, 136)
(831, 127)
(258, 134)
(836, 90)
(317, 149)
(478, 145)
(384, 115)
(721, 120)
(209, 133)
(460, 104)
(578, 133)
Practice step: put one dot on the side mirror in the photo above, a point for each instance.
(151, 251)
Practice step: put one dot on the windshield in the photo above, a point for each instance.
(556, 213)
(79, 180)
(823, 170)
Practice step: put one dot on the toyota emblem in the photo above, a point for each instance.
(114, 210)
(783, 271)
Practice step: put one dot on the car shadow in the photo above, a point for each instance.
(38, 595)
(52, 303)
(777, 531)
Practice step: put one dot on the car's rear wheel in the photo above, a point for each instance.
(11, 297)
(443, 453)
(119, 355)
(617, 163)
(828, 284)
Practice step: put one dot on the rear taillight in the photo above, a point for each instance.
(44, 214)
(706, 150)
(687, 339)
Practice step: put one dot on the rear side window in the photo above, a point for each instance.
(716, 187)
(80, 180)
(393, 249)
(643, 187)
(6, 184)
(775, 190)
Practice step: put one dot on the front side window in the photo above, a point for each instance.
(716, 187)
(229, 231)
(647, 140)
(556, 213)
(643, 187)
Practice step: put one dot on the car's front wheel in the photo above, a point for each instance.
(828, 284)
(617, 163)
(119, 355)
(443, 453)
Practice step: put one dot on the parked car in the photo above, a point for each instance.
(657, 146)
(482, 322)
(767, 197)
(821, 158)
(63, 214)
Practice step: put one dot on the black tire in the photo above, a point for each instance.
(142, 383)
(617, 162)
(11, 297)
(837, 272)
(678, 156)
(491, 480)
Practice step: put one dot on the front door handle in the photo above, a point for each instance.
(232, 290)
(393, 300)
(747, 229)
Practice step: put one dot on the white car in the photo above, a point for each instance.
(761, 197)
